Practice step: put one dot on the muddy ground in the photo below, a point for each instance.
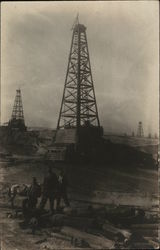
(101, 186)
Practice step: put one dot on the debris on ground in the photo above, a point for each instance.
(81, 226)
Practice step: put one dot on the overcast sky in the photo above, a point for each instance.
(123, 45)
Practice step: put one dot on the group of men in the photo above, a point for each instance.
(53, 188)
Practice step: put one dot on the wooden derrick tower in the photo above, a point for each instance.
(78, 105)
(17, 119)
(140, 132)
(78, 122)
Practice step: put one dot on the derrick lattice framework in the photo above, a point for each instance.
(17, 118)
(17, 112)
(78, 107)
(140, 132)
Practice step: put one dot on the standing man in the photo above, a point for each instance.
(34, 193)
(50, 186)
(29, 204)
(62, 189)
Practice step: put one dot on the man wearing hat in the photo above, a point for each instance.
(50, 185)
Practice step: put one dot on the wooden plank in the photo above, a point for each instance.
(151, 241)
(146, 232)
(112, 232)
(96, 242)
(61, 237)
(145, 226)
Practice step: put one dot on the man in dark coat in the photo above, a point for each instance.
(50, 186)
(29, 204)
(62, 189)
(34, 193)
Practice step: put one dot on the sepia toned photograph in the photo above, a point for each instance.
(79, 125)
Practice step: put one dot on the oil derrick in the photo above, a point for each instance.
(17, 119)
(140, 132)
(78, 103)
(78, 118)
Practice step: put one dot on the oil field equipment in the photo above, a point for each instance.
(140, 132)
(78, 127)
(17, 119)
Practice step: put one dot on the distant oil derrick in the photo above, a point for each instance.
(140, 132)
(17, 119)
